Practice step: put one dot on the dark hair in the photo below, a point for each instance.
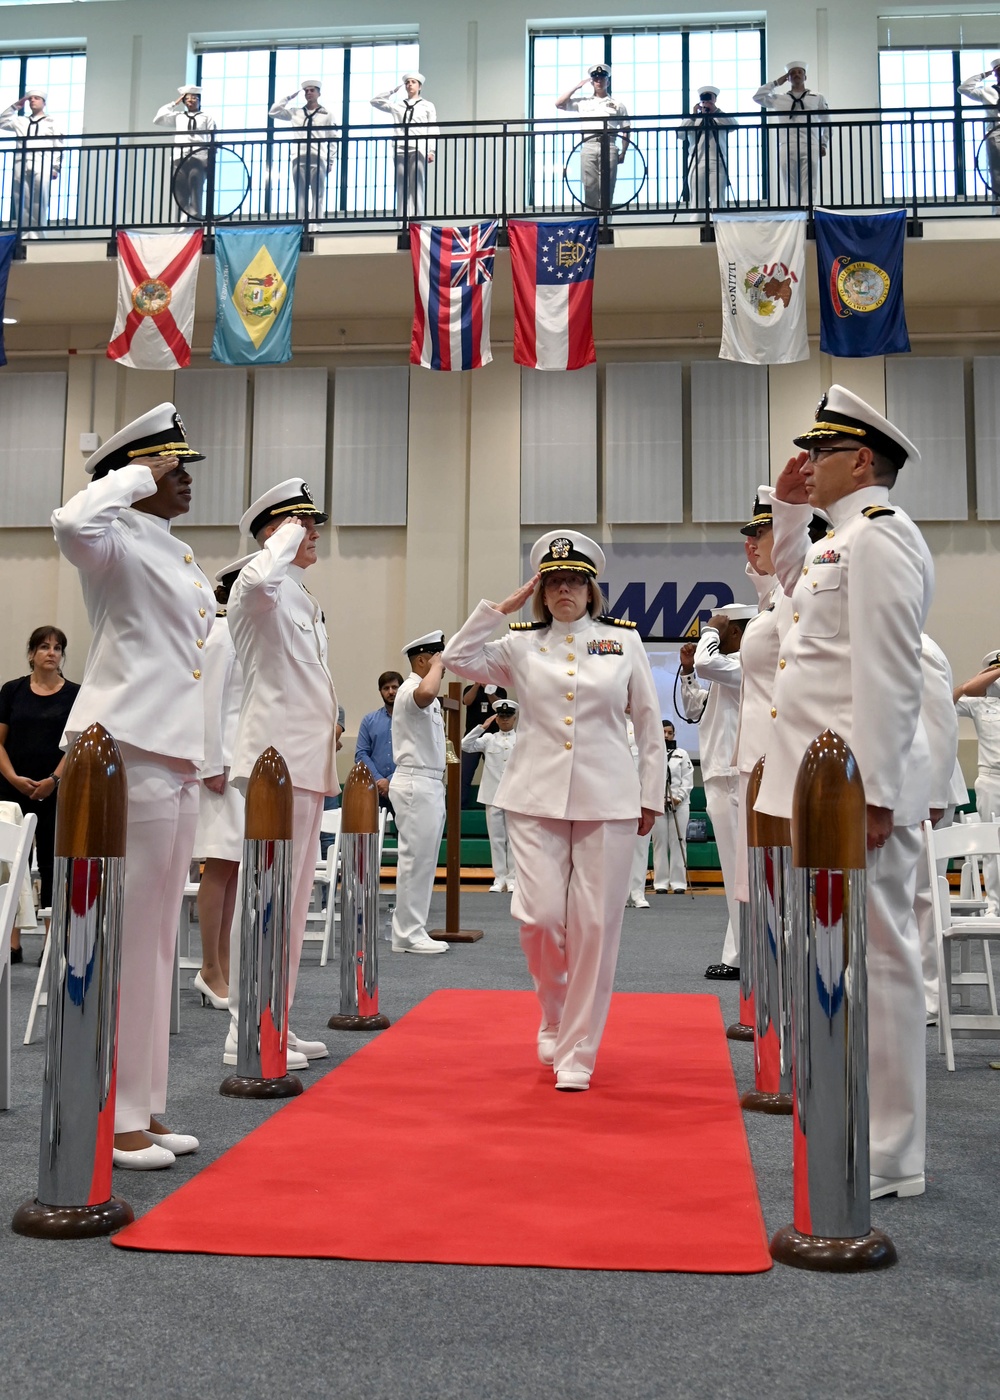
(388, 676)
(42, 634)
(884, 472)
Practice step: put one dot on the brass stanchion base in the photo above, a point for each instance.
(378, 1022)
(460, 935)
(245, 1086)
(44, 1222)
(760, 1101)
(737, 1031)
(872, 1251)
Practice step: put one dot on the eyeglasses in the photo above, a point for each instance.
(570, 577)
(815, 453)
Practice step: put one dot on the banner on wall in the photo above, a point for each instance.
(157, 280)
(552, 264)
(859, 259)
(7, 244)
(762, 263)
(452, 293)
(254, 290)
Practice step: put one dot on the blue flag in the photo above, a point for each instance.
(860, 262)
(254, 286)
(7, 245)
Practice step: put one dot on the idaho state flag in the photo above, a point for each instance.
(254, 286)
(553, 268)
(859, 258)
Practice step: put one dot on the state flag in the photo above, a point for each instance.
(762, 261)
(859, 259)
(254, 290)
(8, 242)
(157, 281)
(452, 295)
(552, 262)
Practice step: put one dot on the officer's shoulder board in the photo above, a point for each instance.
(526, 626)
(610, 621)
(873, 512)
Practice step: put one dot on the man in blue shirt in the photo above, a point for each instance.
(374, 747)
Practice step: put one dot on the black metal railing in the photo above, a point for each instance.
(664, 169)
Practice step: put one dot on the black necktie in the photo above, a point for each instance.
(798, 103)
(192, 122)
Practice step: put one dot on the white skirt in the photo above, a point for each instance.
(220, 824)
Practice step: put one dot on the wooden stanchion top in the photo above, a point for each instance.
(269, 806)
(762, 828)
(92, 812)
(359, 802)
(828, 808)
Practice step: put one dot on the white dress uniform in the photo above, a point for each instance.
(496, 746)
(670, 829)
(983, 88)
(759, 653)
(220, 815)
(800, 143)
(599, 110)
(416, 118)
(572, 797)
(707, 163)
(984, 711)
(416, 791)
(190, 163)
(151, 609)
(289, 702)
(37, 167)
(314, 150)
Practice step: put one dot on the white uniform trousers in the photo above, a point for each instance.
(670, 850)
(722, 799)
(500, 854)
(411, 181)
(418, 800)
(640, 868)
(307, 813)
(925, 921)
(897, 1068)
(572, 883)
(799, 163)
(590, 172)
(988, 804)
(162, 817)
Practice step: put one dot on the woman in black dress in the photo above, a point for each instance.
(33, 714)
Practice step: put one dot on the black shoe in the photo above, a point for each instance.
(722, 972)
(17, 955)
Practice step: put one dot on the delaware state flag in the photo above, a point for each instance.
(157, 280)
(452, 291)
(553, 268)
(859, 258)
(254, 291)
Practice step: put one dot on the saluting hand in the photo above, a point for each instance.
(159, 466)
(517, 600)
(791, 484)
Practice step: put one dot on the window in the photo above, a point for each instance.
(62, 77)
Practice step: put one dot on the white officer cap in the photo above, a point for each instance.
(189, 90)
(311, 82)
(763, 510)
(567, 549)
(840, 413)
(37, 92)
(796, 63)
(413, 76)
(596, 68)
(739, 612)
(707, 87)
(510, 705)
(992, 658)
(158, 433)
(289, 497)
(227, 574)
(429, 642)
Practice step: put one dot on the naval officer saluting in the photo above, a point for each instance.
(151, 609)
(575, 801)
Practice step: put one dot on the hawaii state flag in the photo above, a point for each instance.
(452, 294)
(762, 266)
(157, 280)
(859, 258)
(553, 268)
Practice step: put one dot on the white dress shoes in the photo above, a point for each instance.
(208, 997)
(575, 1080)
(312, 1049)
(143, 1159)
(294, 1058)
(180, 1144)
(897, 1186)
(641, 902)
(419, 943)
(547, 1044)
(497, 887)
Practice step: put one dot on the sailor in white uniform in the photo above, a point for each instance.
(416, 118)
(707, 134)
(670, 829)
(574, 800)
(151, 610)
(190, 164)
(606, 123)
(38, 162)
(496, 745)
(985, 88)
(803, 140)
(289, 702)
(416, 792)
(312, 133)
(978, 699)
(852, 664)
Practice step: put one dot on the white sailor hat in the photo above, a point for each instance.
(290, 497)
(708, 88)
(37, 92)
(429, 642)
(841, 414)
(763, 511)
(596, 68)
(796, 63)
(992, 658)
(227, 574)
(414, 76)
(158, 433)
(189, 90)
(567, 549)
(509, 707)
(994, 62)
(739, 612)
(310, 82)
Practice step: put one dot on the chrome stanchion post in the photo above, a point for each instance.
(74, 1198)
(742, 1029)
(359, 862)
(832, 1205)
(265, 919)
(769, 858)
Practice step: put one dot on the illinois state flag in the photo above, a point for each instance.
(254, 289)
(157, 279)
(762, 263)
(859, 258)
(553, 268)
(452, 293)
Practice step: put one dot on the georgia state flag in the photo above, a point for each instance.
(553, 268)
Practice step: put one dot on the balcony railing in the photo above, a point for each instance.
(931, 162)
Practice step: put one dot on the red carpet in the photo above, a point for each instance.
(444, 1141)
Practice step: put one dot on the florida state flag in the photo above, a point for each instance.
(157, 279)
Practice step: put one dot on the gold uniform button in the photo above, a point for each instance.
(543, 648)
(197, 675)
(814, 583)
(568, 719)
(795, 617)
(199, 643)
(569, 695)
(829, 534)
(774, 713)
(568, 744)
(781, 664)
(570, 637)
(197, 584)
(201, 612)
(571, 673)
(806, 569)
(570, 656)
(188, 558)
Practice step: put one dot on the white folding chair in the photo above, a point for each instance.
(40, 996)
(957, 931)
(321, 916)
(15, 852)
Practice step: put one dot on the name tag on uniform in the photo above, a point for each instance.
(604, 647)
